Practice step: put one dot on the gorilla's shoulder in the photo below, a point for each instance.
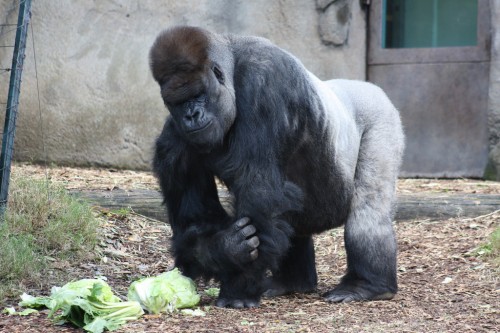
(356, 89)
(249, 41)
(254, 48)
(364, 98)
(345, 84)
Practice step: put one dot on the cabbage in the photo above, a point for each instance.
(12, 312)
(9, 311)
(87, 303)
(194, 313)
(164, 293)
(212, 292)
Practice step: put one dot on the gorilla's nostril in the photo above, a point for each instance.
(196, 115)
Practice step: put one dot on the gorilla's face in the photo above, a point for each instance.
(202, 108)
(195, 74)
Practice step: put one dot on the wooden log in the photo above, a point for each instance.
(433, 206)
(437, 206)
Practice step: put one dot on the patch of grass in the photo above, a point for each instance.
(119, 214)
(495, 245)
(492, 247)
(18, 257)
(42, 222)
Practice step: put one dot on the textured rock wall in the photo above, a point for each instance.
(99, 104)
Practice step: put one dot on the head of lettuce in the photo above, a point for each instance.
(164, 293)
(87, 303)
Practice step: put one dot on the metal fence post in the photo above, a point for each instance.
(13, 102)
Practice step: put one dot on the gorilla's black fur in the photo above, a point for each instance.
(299, 155)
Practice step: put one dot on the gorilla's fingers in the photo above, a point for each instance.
(341, 297)
(248, 230)
(221, 303)
(254, 254)
(242, 222)
(253, 242)
(251, 303)
(236, 303)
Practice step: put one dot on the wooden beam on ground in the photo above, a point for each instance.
(435, 206)
(444, 206)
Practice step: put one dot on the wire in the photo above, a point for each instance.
(40, 113)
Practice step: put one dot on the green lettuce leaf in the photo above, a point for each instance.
(87, 303)
(212, 292)
(9, 311)
(12, 311)
(164, 293)
(29, 301)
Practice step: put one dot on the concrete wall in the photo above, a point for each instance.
(99, 104)
(493, 171)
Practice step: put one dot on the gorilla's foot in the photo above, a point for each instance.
(237, 303)
(346, 293)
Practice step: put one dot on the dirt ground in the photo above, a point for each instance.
(443, 286)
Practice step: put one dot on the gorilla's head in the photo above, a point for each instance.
(194, 69)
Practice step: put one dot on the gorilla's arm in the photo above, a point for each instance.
(263, 136)
(205, 242)
(262, 194)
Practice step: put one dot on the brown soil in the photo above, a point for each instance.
(443, 286)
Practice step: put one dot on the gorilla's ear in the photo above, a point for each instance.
(180, 49)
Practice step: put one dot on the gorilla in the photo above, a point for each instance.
(299, 155)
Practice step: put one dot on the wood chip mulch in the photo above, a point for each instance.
(444, 285)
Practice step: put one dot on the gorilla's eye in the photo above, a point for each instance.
(218, 74)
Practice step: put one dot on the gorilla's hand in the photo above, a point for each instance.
(236, 303)
(239, 242)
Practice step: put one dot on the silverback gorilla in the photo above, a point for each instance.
(300, 156)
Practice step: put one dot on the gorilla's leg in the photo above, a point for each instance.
(297, 271)
(369, 236)
(371, 262)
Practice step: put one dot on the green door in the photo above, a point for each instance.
(432, 59)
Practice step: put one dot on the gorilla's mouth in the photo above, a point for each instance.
(200, 129)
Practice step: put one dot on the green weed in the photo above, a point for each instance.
(42, 221)
(491, 248)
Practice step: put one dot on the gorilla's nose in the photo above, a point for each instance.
(193, 116)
